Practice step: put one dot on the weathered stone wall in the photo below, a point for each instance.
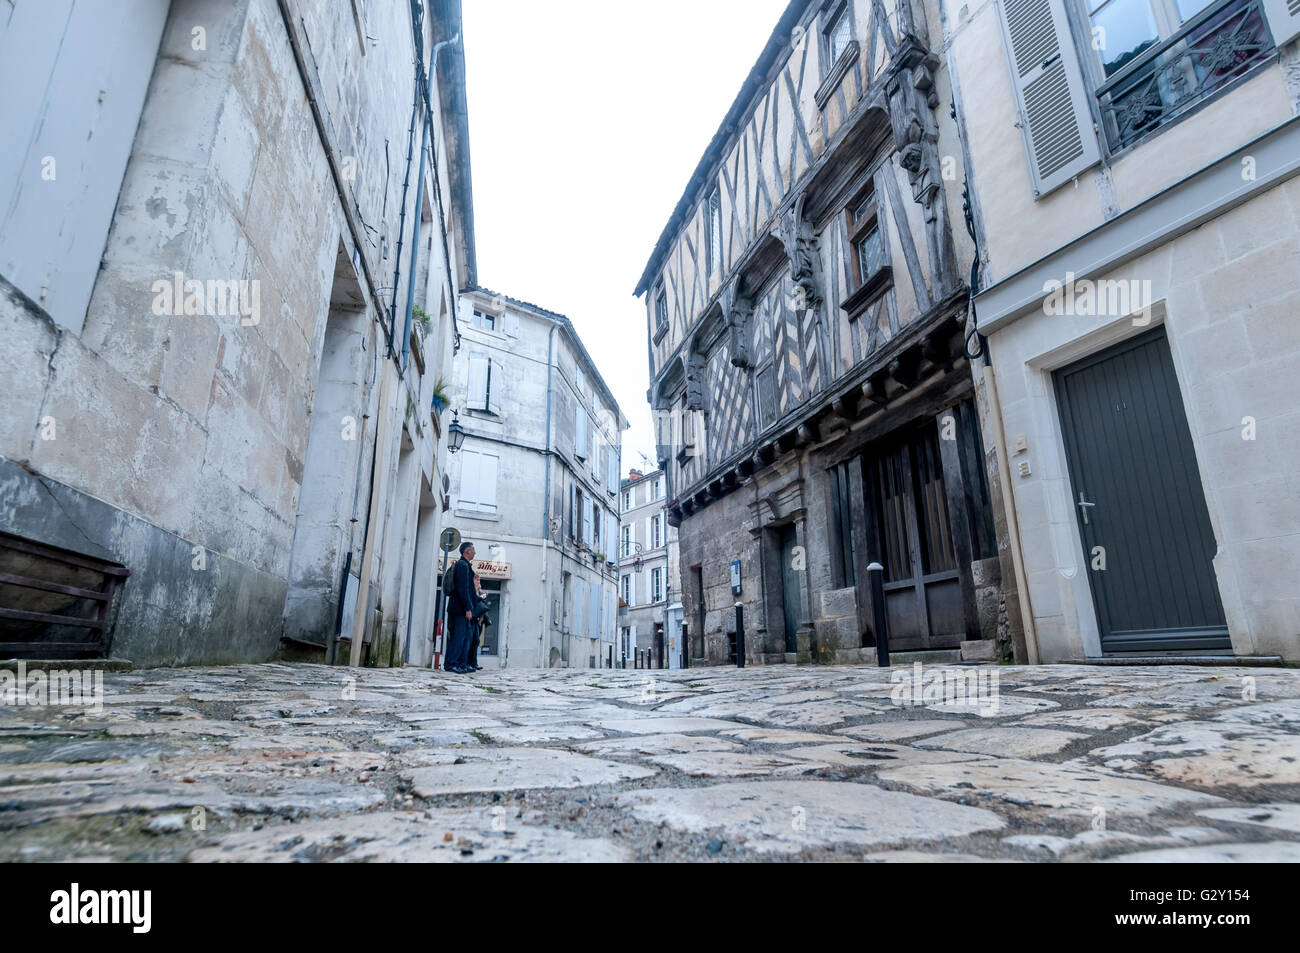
(180, 435)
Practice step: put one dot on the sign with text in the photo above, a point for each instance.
(484, 568)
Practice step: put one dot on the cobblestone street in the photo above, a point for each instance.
(283, 762)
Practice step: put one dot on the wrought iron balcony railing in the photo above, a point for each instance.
(1219, 45)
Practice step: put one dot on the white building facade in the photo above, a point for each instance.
(648, 575)
(535, 484)
(1132, 169)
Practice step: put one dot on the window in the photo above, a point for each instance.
(656, 585)
(627, 500)
(587, 528)
(837, 35)
(580, 381)
(627, 591)
(485, 320)
(661, 313)
(659, 488)
(478, 481)
(611, 471)
(1158, 58)
(715, 233)
(656, 538)
(627, 540)
(864, 235)
(485, 379)
(575, 513)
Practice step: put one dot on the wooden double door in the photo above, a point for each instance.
(910, 534)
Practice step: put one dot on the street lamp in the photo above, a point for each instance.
(455, 433)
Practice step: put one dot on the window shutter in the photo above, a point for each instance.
(496, 382)
(487, 481)
(580, 432)
(1283, 19)
(478, 381)
(586, 521)
(579, 604)
(468, 477)
(573, 512)
(1050, 95)
(609, 617)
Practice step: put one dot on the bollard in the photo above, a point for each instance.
(877, 573)
(740, 635)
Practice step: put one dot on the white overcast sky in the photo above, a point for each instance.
(587, 118)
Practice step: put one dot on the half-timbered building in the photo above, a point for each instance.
(806, 315)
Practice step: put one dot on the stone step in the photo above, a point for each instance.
(933, 656)
(980, 650)
(1274, 661)
(46, 665)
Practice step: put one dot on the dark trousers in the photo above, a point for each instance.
(475, 636)
(458, 642)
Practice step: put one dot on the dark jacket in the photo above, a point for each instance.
(462, 588)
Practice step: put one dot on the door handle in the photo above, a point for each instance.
(1084, 506)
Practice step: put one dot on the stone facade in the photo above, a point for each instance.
(259, 446)
(534, 485)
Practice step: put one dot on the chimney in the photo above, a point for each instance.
(634, 474)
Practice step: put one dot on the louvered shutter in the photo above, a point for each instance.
(1050, 95)
(478, 382)
(586, 521)
(496, 383)
(468, 478)
(579, 605)
(1283, 19)
(574, 518)
(487, 478)
(580, 432)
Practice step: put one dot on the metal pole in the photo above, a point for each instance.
(740, 635)
(877, 573)
(442, 596)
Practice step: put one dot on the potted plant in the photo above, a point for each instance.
(440, 398)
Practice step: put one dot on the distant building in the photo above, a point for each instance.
(648, 574)
(535, 485)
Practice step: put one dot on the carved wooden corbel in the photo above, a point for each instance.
(800, 243)
(695, 373)
(739, 309)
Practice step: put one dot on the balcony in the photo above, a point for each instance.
(1212, 50)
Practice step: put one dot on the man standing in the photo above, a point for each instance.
(460, 612)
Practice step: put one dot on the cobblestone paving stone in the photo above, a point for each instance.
(285, 762)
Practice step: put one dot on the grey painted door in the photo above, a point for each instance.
(790, 588)
(1138, 500)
